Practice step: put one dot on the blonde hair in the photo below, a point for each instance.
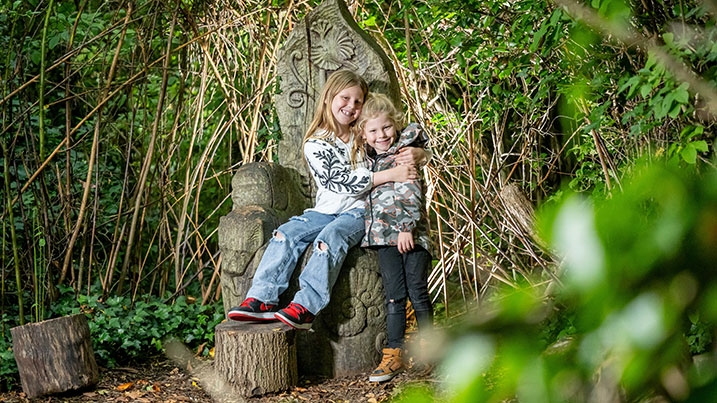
(323, 118)
(375, 105)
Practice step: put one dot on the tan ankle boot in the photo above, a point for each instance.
(391, 365)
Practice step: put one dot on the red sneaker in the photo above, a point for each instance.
(253, 310)
(295, 316)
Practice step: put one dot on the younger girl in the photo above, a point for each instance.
(396, 227)
(334, 224)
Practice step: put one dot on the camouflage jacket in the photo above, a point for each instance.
(395, 207)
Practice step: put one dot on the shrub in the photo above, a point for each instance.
(124, 333)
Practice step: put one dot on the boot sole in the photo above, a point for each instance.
(382, 378)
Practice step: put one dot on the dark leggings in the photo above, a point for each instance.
(405, 276)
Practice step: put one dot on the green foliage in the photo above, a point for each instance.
(543, 96)
(9, 376)
(637, 299)
(123, 332)
(700, 335)
(102, 76)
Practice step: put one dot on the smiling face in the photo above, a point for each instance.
(346, 107)
(380, 132)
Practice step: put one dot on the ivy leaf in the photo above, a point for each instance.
(645, 90)
(681, 94)
(700, 145)
(659, 109)
(370, 22)
(713, 53)
(538, 37)
(669, 38)
(631, 84)
(52, 43)
(689, 153)
(675, 110)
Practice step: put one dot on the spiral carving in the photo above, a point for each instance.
(297, 94)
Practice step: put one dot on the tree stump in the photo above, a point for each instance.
(256, 358)
(55, 355)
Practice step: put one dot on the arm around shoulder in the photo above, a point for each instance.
(417, 151)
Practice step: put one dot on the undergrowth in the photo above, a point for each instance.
(125, 333)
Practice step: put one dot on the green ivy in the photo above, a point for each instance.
(123, 332)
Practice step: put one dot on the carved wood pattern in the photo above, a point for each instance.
(328, 39)
(330, 47)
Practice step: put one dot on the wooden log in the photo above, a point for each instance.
(55, 356)
(255, 358)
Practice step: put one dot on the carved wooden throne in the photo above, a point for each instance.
(347, 336)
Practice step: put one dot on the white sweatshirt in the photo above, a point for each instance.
(339, 186)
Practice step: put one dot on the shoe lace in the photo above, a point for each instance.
(247, 302)
(297, 309)
(386, 364)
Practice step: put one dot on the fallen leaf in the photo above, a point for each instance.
(134, 394)
(200, 349)
(125, 386)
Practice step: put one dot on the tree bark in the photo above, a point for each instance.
(55, 356)
(256, 358)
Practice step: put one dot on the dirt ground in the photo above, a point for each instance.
(163, 380)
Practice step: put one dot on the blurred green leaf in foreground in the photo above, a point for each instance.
(632, 319)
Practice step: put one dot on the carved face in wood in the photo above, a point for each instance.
(380, 132)
(346, 107)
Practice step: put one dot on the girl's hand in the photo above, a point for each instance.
(404, 173)
(411, 156)
(401, 173)
(405, 242)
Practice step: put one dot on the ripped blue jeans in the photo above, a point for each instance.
(332, 236)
